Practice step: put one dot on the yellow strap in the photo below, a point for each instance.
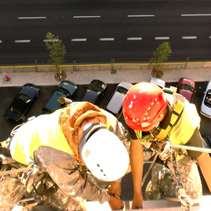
(178, 108)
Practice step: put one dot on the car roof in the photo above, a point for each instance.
(116, 101)
(30, 91)
(90, 96)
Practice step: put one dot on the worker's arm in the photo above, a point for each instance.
(204, 162)
(136, 158)
(114, 191)
(73, 180)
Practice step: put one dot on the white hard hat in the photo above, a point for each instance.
(105, 155)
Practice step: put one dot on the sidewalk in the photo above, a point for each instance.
(83, 74)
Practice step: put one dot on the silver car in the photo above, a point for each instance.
(115, 104)
(206, 102)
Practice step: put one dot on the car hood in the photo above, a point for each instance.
(31, 92)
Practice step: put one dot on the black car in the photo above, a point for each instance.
(94, 91)
(22, 102)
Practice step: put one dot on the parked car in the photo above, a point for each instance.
(64, 89)
(158, 82)
(206, 101)
(22, 102)
(95, 91)
(115, 103)
(186, 87)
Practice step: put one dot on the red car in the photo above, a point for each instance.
(186, 87)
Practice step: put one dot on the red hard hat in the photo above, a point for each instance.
(143, 104)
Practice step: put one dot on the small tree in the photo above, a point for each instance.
(161, 55)
(57, 53)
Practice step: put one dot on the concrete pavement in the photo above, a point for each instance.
(43, 75)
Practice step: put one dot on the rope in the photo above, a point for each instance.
(199, 149)
(2, 173)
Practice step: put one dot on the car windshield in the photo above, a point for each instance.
(20, 104)
(207, 100)
(95, 87)
(122, 90)
(63, 91)
(209, 92)
(186, 87)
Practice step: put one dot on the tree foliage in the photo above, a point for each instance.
(161, 55)
(57, 50)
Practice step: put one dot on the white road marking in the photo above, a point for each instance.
(195, 15)
(95, 16)
(134, 38)
(106, 39)
(140, 16)
(22, 41)
(47, 40)
(162, 38)
(189, 37)
(0, 41)
(30, 18)
(79, 40)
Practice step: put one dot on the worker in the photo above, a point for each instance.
(84, 150)
(155, 115)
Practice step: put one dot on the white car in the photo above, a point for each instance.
(206, 102)
(159, 82)
(115, 104)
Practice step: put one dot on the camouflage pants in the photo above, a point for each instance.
(163, 180)
(12, 191)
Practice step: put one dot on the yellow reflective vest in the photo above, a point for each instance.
(57, 130)
(48, 132)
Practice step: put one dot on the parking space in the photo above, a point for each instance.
(9, 93)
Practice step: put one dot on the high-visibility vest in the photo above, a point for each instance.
(58, 130)
(183, 122)
(45, 130)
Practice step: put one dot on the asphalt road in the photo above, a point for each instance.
(98, 31)
(9, 93)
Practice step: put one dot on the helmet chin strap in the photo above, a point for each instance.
(88, 131)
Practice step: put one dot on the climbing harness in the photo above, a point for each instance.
(167, 153)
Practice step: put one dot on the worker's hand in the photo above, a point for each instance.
(116, 203)
(137, 202)
(115, 188)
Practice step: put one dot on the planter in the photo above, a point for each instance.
(157, 73)
(60, 75)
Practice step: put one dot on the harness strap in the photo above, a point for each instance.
(177, 111)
